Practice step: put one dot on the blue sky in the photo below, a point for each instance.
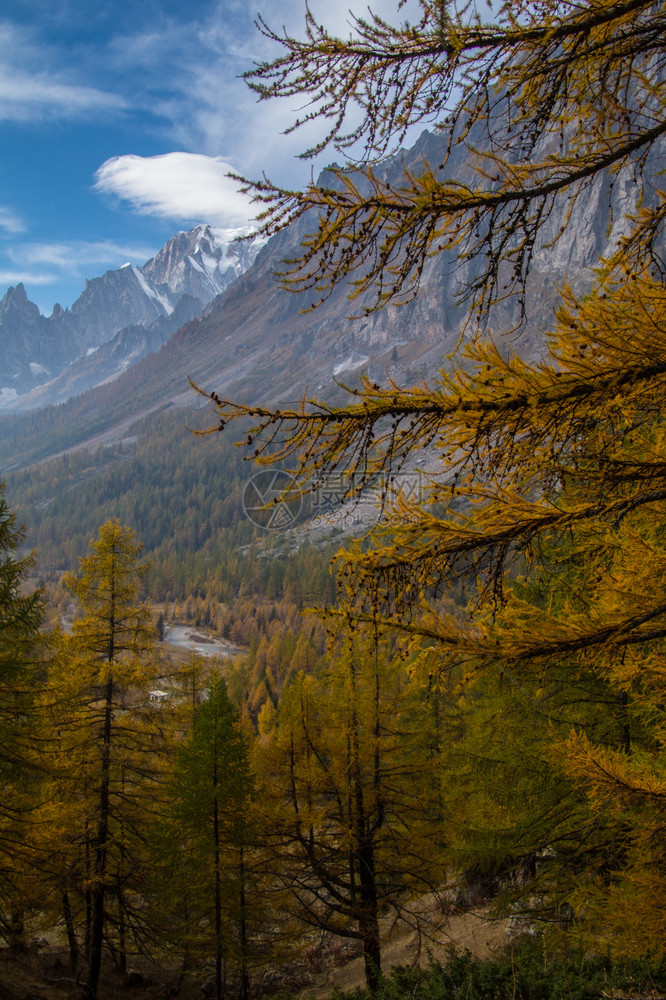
(118, 123)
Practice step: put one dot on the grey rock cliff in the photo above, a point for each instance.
(170, 289)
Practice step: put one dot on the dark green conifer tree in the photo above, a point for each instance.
(21, 617)
(209, 837)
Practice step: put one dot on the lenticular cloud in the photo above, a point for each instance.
(187, 186)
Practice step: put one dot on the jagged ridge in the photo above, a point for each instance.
(47, 359)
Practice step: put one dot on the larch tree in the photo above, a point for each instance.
(117, 740)
(545, 98)
(349, 780)
(571, 449)
(554, 135)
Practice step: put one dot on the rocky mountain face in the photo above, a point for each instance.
(201, 263)
(258, 342)
(113, 357)
(48, 359)
(28, 342)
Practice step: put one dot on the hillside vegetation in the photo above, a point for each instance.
(474, 719)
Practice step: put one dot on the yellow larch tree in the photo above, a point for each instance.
(349, 783)
(111, 743)
(553, 472)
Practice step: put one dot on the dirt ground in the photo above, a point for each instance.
(401, 945)
(42, 974)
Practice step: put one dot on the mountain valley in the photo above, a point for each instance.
(258, 342)
(332, 632)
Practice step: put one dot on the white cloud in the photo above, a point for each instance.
(64, 265)
(78, 255)
(31, 87)
(10, 221)
(210, 109)
(27, 277)
(26, 96)
(184, 186)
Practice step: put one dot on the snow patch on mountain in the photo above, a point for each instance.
(350, 363)
(173, 287)
(153, 293)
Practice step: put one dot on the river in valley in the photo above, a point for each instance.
(188, 637)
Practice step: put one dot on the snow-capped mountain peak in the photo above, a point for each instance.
(174, 286)
(201, 262)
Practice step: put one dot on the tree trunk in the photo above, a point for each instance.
(245, 980)
(88, 896)
(122, 937)
(71, 932)
(99, 873)
(218, 892)
(369, 917)
(185, 965)
(372, 956)
(16, 926)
